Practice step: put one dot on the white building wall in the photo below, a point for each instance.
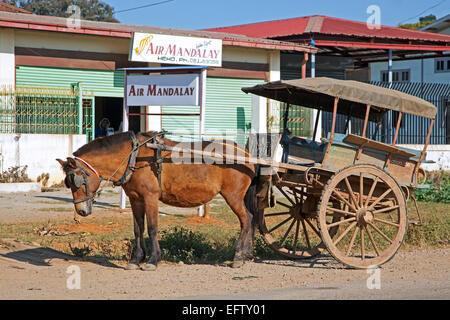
(415, 67)
(7, 58)
(39, 152)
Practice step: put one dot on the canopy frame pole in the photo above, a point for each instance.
(316, 125)
(423, 154)
(366, 121)
(397, 128)
(333, 127)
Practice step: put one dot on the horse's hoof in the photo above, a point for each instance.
(237, 264)
(148, 267)
(132, 266)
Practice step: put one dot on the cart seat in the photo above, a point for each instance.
(305, 152)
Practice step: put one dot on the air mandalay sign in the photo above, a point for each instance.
(160, 48)
(163, 90)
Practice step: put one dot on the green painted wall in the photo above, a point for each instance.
(103, 83)
(228, 110)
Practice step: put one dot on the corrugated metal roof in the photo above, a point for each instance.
(47, 23)
(328, 26)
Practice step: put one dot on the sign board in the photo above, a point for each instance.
(159, 48)
(163, 90)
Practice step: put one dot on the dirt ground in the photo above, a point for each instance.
(28, 271)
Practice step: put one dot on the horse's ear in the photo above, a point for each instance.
(72, 163)
(61, 162)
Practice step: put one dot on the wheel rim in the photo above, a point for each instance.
(289, 227)
(374, 217)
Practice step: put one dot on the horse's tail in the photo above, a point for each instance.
(250, 199)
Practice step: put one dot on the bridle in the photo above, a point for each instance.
(78, 180)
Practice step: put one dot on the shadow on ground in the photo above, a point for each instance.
(42, 257)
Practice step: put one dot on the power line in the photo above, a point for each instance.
(432, 7)
(146, 6)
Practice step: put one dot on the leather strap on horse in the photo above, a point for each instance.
(131, 162)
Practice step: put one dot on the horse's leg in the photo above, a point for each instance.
(138, 254)
(152, 212)
(244, 245)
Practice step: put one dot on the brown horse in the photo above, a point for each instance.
(177, 184)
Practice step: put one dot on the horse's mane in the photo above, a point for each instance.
(108, 142)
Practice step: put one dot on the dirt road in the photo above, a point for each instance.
(32, 272)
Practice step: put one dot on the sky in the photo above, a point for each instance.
(202, 14)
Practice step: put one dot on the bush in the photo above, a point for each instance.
(15, 174)
(181, 244)
(439, 190)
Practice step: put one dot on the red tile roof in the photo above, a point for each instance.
(58, 24)
(10, 8)
(327, 26)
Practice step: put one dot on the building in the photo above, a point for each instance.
(46, 53)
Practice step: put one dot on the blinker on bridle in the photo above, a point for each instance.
(78, 180)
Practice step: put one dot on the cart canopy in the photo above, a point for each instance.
(354, 96)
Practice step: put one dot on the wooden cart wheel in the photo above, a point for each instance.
(374, 214)
(289, 228)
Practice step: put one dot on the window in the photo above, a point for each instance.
(397, 75)
(442, 65)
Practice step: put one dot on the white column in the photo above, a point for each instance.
(274, 75)
(125, 127)
(259, 114)
(7, 58)
(154, 123)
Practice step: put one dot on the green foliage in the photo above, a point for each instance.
(94, 10)
(181, 244)
(14, 175)
(439, 190)
(423, 21)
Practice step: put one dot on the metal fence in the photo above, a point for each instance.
(413, 129)
(45, 111)
(299, 120)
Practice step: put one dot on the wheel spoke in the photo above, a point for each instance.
(351, 242)
(387, 222)
(372, 189)
(363, 254)
(306, 234)
(386, 209)
(341, 222)
(372, 240)
(344, 200)
(344, 233)
(341, 211)
(286, 195)
(312, 227)
(287, 233)
(297, 230)
(280, 224)
(284, 205)
(380, 232)
(276, 214)
(361, 190)
(379, 199)
(350, 192)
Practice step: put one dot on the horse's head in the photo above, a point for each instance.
(83, 182)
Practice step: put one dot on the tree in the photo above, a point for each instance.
(95, 10)
(423, 21)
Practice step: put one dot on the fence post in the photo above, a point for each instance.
(80, 108)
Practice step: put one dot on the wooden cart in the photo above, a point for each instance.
(346, 193)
